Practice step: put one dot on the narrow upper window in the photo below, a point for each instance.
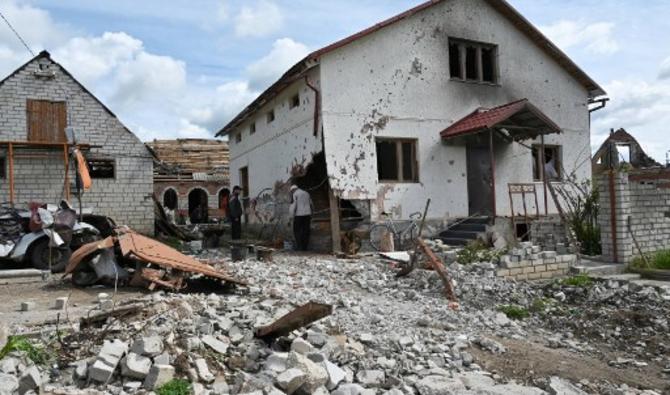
(46, 121)
(396, 160)
(295, 101)
(252, 128)
(238, 137)
(473, 61)
(271, 116)
(101, 168)
(552, 165)
(3, 168)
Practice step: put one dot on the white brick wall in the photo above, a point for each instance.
(40, 175)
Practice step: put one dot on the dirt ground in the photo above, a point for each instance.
(44, 294)
(530, 358)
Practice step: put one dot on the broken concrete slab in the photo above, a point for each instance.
(30, 380)
(559, 386)
(149, 346)
(291, 379)
(315, 374)
(203, 370)
(8, 383)
(215, 344)
(135, 366)
(158, 375)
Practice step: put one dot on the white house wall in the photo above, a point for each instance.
(395, 83)
(280, 147)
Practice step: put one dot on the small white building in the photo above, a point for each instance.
(451, 100)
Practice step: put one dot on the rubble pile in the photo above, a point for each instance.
(384, 336)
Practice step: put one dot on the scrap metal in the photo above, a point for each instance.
(302, 316)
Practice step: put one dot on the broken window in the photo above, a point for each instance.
(396, 160)
(3, 168)
(101, 168)
(238, 137)
(46, 121)
(552, 162)
(271, 116)
(252, 128)
(472, 61)
(623, 151)
(295, 101)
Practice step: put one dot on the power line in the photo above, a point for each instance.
(17, 35)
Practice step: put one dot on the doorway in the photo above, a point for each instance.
(198, 206)
(170, 199)
(480, 180)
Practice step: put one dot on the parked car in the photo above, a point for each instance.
(28, 235)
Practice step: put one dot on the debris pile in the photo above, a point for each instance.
(384, 335)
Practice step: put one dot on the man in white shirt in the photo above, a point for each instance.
(301, 212)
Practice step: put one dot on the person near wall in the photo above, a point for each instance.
(235, 212)
(550, 167)
(301, 212)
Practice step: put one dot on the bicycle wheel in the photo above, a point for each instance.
(379, 233)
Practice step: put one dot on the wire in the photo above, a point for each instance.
(17, 35)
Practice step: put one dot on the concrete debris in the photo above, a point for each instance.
(361, 331)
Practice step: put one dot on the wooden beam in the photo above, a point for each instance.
(10, 154)
(66, 162)
(302, 316)
(493, 173)
(544, 176)
(334, 204)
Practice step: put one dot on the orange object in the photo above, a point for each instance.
(83, 170)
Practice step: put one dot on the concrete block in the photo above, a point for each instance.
(290, 380)
(502, 272)
(514, 272)
(30, 380)
(135, 366)
(60, 303)
(550, 274)
(535, 276)
(529, 269)
(158, 375)
(521, 277)
(27, 306)
(149, 346)
(203, 370)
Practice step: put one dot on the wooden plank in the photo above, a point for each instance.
(298, 318)
(11, 173)
(46, 121)
(334, 205)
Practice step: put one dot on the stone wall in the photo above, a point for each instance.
(39, 173)
(529, 262)
(641, 213)
(549, 233)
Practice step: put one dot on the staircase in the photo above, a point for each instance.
(464, 231)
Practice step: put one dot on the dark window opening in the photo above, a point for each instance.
(3, 168)
(488, 65)
(101, 168)
(295, 101)
(552, 163)
(522, 232)
(252, 128)
(238, 137)
(271, 116)
(396, 160)
(170, 199)
(455, 61)
(471, 63)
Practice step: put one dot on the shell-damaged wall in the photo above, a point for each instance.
(278, 150)
(395, 83)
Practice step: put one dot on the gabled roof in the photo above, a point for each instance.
(520, 113)
(502, 6)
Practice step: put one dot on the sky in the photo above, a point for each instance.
(183, 68)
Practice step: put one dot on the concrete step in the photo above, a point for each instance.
(481, 228)
(454, 241)
(596, 268)
(456, 234)
(619, 277)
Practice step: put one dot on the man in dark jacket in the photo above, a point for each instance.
(235, 212)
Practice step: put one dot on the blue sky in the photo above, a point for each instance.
(182, 68)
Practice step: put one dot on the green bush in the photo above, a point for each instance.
(580, 280)
(477, 251)
(175, 387)
(514, 312)
(21, 343)
(660, 261)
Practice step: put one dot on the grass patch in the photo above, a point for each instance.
(21, 343)
(660, 261)
(477, 251)
(539, 305)
(514, 312)
(175, 387)
(580, 280)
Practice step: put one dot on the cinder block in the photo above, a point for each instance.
(529, 269)
(502, 273)
(514, 272)
(521, 277)
(535, 276)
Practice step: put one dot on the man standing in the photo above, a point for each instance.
(301, 211)
(235, 212)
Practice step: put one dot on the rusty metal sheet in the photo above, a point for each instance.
(303, 315)
(85, 251)
(145, 249)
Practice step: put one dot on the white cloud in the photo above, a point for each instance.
(596, 38)
(284, 54)
(258, 20)
(665, 69)
(149, 76)
(222, 12)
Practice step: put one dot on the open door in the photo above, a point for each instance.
(480, 180)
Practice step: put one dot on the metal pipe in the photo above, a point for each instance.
(544, 176)
(11, 173)
(317, 104)
(493, 173)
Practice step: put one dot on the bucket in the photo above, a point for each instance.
(238, 253)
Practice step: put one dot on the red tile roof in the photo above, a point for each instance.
(482, 119)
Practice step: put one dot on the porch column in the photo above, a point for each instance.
(493, 173)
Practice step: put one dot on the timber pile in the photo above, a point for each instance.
(188, 156)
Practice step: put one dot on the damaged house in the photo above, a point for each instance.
(192, 174)
(619, 148)
(460, 101)
(38, 102)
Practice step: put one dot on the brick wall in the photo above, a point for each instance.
(642, 198)
(529, 262)
(39, 173)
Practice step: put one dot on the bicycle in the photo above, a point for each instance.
(403, 240)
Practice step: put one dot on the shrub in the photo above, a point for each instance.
(21, 343)
(660, 260)
(175, 387)
(580, 280)
(580, 201)
(476, 251)
(514, 312)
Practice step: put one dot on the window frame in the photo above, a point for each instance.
(252, 128)
(557, 153)
(270, 116)
(463, 45)
(294, 101)
(399, 141)
(93, 159)
(238, 137)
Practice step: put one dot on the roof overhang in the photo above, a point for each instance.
(519, 120)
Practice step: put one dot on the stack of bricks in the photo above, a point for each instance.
(548, 233)
(529, 262)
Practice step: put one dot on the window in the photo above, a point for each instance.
(295, 101)
(252, 128)
(552, 163)
(271, 116)
(46, 121)
(472, 61)
(238, 137)
(101, 168)
(3, 168)
(396, 160)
